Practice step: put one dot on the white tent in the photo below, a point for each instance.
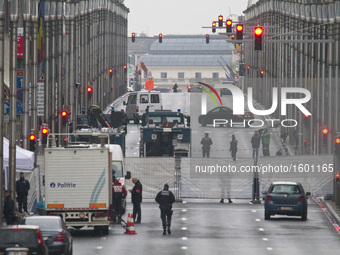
(24, 158)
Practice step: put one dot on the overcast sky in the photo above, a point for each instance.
(178, 16)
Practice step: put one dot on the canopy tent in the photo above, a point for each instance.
(24, 158)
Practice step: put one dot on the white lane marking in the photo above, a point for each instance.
(99, 247)
(258, 220)
(103, 238)
(254, 211)
(265, 239)
(184, 202)
(184, 218)
(269, 248)
(261, 229)
(184, 247)
(184, 238)
(184, 210)
(184, 228)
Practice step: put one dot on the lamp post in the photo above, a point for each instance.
(71, 48)
(59, 14)
(2, 32)
(27, 19)
(82, 80)
(53, 65)
(47, 64)
(13, 94)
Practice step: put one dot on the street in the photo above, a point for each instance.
(208, 227)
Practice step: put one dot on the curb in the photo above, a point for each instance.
(330, 213)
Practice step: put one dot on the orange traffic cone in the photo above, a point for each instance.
(130, 230)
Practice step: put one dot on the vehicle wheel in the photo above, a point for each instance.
(266, 216)
(105, 230)
(304, 216)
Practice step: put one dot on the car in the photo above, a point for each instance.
(286, 198)
(58, 239)
(194, 88)
(22, 239)
(225, 91)
(223, 113)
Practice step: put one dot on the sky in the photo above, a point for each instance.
(178, 17)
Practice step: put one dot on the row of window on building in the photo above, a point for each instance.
(180, 75)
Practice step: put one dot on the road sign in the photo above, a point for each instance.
(6, 95)
(42, 77)
(20, 107)
(20, 95)
(19, 82)
(6, 107)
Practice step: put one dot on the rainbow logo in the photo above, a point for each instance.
(208, 92)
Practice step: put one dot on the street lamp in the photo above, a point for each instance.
(54, 72)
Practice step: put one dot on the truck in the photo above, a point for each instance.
(78, 183)
(165, 133)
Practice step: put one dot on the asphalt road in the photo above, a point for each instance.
(208, 227)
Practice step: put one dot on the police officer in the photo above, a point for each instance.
(118, 194)
(136, 197)
(22, 187)
(165, 199)
(9, 208)
(206, 143)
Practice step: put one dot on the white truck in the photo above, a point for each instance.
(78, 183)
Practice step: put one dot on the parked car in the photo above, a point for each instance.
(286, 198)
(222, 112)
(225, 91)
(27, 239)
(56, 236)
(194, 88)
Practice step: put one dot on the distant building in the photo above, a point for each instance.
(184, 60)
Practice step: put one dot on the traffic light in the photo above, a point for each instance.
(248, 69)
(133, 35)
(239, 32)
(207, 38)
(258, 38)
(33, 141)
(213, 27)
(111, 72)
(160, 38)
(64, 115)
(229, 25)
(337, 146)
(125, 68)
(337, 177)
(306, 119)
(44, 133)
(325, 131)
(261, 73)
(232, 37)
(89, 90)
(220, 21)
(242, 70)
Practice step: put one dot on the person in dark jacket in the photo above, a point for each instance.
(255, 143)
(136, 194)
(118, 194)
(9, 208)
(175, 88)
(165, 199)
(265, 142)
(233, 147)
(206, 143)
(22, 187)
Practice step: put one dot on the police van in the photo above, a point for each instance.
(139, 101)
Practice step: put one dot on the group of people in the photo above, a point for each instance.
(22, 187)
(260, 135)
(165, 198)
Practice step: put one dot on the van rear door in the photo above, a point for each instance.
(131, 106)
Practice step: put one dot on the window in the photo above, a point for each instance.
(132, 99)
(198, 75)
(155, 99)
(144, 99)
(180, 75)
(164, 75)
(215, 75)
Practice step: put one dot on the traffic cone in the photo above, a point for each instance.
(130, 230)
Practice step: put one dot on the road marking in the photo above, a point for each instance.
(254, 211)
(184, 238)
(258, 220)
(184, 202)
(103, 238)
(269, 248)
(99, 247)
(184, 228)
(184, 218)
(184, 247)
(261, 229)
(265, 239)
(184, 210)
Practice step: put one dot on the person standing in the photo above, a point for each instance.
(136, 194)
(265, 142)
(22, 187)
(255, 143)
(118, 194)
(206, 143)
(9, 208)
(165, 199)
(175, 88)
(233, 147)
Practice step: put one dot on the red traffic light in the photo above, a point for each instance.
(258, 31)
(89, 89)
(214, 24)
(125, 66)
(325, 131)
(239, 28)
(110, 70)
(228, 22)
(337, 140)
(337, 177)
(232, 36)
(33, 137)
(44, 131)
(220, 17)
(64, 113)
(248, 67)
